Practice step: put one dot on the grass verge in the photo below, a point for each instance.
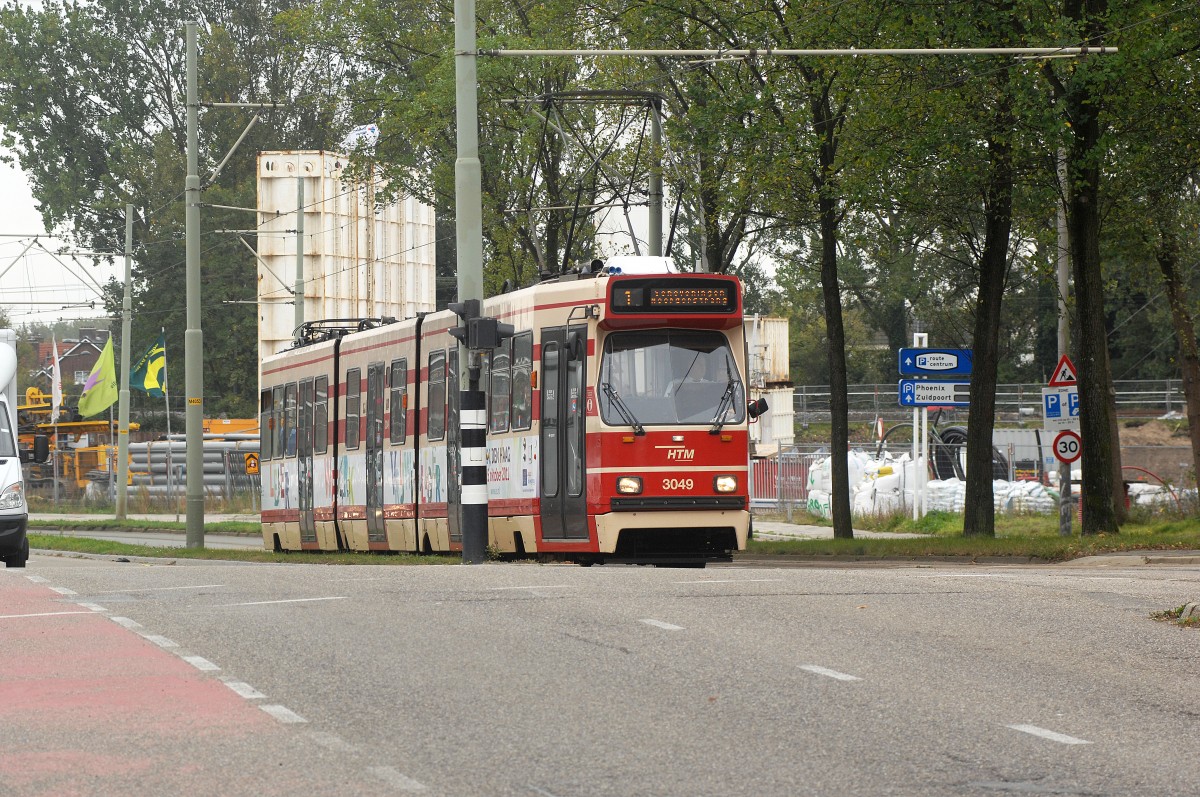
(108, 524)
(1027, 537)
(111, 548)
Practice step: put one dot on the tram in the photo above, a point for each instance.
(617, 425)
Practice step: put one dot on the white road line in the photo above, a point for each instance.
(1053, 736)
(64, 591)
(125, 622)
(201, 663)
(161, 641)
(36, 579)
(244, 689)
(547, 586)
(662, 625)
(157, 589)
(290, 600)
(38, 614)
(283, 714)
(395, 778)
(828, 673)
(94, 607)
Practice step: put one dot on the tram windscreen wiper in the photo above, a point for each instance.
(719, 419)
(622, 408)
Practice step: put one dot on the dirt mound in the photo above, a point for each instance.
(1154, 433)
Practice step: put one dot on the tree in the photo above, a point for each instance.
(96, 117)
(1081, 89)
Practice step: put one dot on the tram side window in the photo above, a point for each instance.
(399, 400)
(353, 406)
(289, 420)
(277, 422)
(522, 385)
(321, 416)
(264, 423)
(437, 395)
(304, 436)
(500, 389)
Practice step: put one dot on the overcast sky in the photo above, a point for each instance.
(36, 277)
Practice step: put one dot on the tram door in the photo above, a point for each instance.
(375, 404)
(564, 511)
(304, 462)
(453, 450)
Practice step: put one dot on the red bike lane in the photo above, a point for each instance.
(88, 707)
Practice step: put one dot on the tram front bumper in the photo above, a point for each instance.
(686, 535)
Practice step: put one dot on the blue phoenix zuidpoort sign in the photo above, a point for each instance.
(934, 393)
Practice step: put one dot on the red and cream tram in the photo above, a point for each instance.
(617, 426)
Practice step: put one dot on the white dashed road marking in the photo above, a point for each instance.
(662, 625)
(36, 579)
(397, 779)
(93, 607)
(290, 600)
(201, 663)
(828, 673)
(64, 591)
(333, 742)
(244, 689)
(161, 641)
(1053, 736)
(547, 586)
(283, 714)
(125, 622)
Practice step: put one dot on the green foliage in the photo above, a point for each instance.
(903, 160)
(96, 117)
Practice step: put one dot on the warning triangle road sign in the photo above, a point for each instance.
(1064, 373)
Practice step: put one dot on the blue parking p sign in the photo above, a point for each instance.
(1060, 408)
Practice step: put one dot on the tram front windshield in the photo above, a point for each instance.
(669, 376)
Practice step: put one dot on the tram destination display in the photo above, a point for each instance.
(660, 295)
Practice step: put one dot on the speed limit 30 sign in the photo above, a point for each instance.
(1067, 446)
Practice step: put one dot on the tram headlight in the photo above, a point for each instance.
(629, 485)
(725, 484)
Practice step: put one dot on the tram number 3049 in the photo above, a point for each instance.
(678, 484)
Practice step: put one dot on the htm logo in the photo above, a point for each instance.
(681, 453)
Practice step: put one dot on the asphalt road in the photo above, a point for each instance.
(231, 679)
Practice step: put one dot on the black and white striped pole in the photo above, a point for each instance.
(472, 419)
(477, 335)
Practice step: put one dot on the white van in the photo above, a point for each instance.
(14, 512)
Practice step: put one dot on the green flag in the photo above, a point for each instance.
(149, 375)
(100, 389)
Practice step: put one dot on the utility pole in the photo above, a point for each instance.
(656, 182)
(298, 294)
(1064, 331)
(468, 228)
(193, 337)
(123, 396)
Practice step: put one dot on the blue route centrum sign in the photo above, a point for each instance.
(936, 362)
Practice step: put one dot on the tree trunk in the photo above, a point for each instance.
(1100, 489)
(1102, 499)
(1167, 254)
(825, 123)
(979, 516)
